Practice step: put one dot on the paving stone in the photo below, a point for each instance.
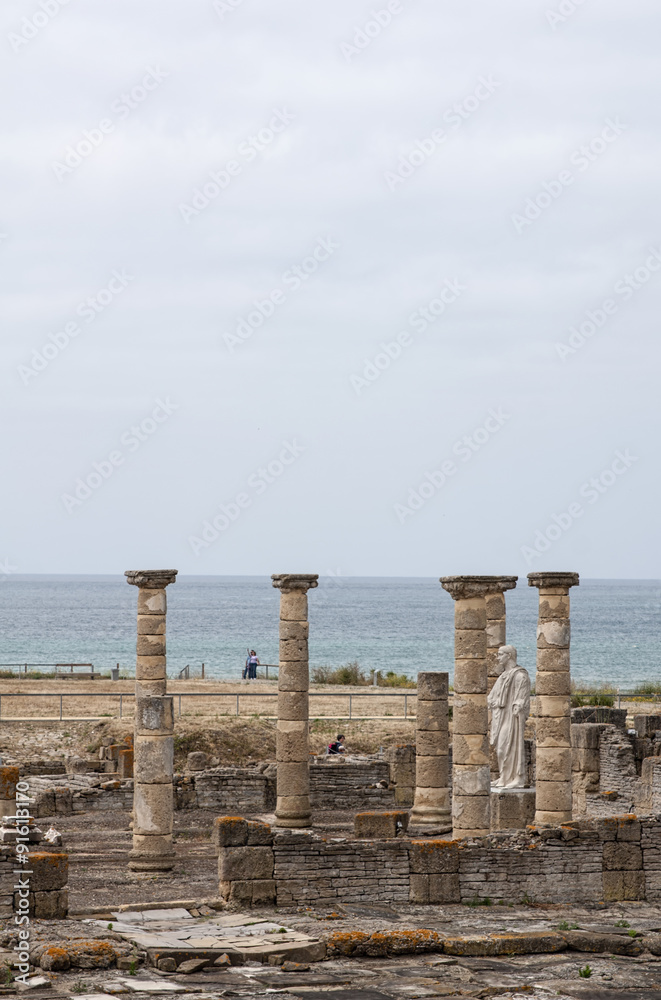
(193, 965)
(349, 995)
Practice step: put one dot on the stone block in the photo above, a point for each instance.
(432, 686)
(293, 705)
(150, 645)
(554, 607)
(431, 772)
(49, 871)
(470, 613)
(433, 857)
(470, 815)
(125, 764)
(553, 683)
(553, 708)
(378, 826)
(63, 801)
(430, 717)
(229, 831)
(431, 805)
(553, 764)
(496, 634)
(150, 668)
(51, 905)
(586, 736)
(292, 742)
(293, 778)
(512, 808)
(623, 885)
(432, 744)
(469, 644)
(238, 863)
(154, 716)
(419, 889)
(469, 714)
(294, 649)
(294, 606)
(495, 606)
(293, 676)
(152, 808)
(153, 844)
(263, 892)
(646, 725)
(444, 889)
(470, 677)
(552, 732)
(550, 817)
(154, 759)
(628, 829)
(151, 624)
(151, 688)
(294, 630)
(554, 797)
(553, 634)
(9, 776)
(470, 749)
(259, 834)
(471, 780)
(553, 659)
(152, 602)
(585, 760)
(620, 856)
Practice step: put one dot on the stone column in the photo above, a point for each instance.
(150, 675)
(471, 776)
(553, 696)
(292, 746)
(496, 625)
(152, 790)
(432, 791)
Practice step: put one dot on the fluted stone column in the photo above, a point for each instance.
(471, 776)
(152, 790)
(496, 625)
(150, 667)
(432, 791)
(292, 740)
(553, 696)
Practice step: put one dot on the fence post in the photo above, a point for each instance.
(237, 704)
(350, 697)
(202, 671)
(406, 706)
(120, 706)
(267, 671)
(61, 696)
(179, 706)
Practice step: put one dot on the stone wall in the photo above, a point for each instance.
(617, 858)
(47, 891)
(363, 784)
(241, 789)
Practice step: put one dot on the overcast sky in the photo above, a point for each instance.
(217, 214)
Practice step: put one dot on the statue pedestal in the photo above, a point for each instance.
(512, 808)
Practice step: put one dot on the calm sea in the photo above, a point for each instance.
(401, 624)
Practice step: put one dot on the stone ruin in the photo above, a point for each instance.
(429, 827)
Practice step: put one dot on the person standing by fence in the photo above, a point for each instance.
(252, 662)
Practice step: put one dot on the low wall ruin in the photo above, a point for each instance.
(617, 858)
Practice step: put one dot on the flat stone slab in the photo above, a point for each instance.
(136, 985)
(350, 995)
(144, 916)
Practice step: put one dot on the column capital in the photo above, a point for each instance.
(151, 579)
(461, 588)
(286, 582)
(546, 581)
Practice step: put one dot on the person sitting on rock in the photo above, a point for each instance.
(337, 745)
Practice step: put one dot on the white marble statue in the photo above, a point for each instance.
(509, 702)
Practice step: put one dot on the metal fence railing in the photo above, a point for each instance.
(234, 699)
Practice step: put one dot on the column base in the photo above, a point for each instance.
(473, 834)
(293, 811)
(140, 861)
(552, 818)
(429, 816)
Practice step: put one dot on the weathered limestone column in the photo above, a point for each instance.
(553, 689)
(471, 775)
(292, 746)
(152, 790)
(496, 625)
(150, 667)
(432, 791)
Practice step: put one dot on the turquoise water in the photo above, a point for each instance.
(401, 624)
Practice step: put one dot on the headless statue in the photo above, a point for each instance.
(509, 702)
